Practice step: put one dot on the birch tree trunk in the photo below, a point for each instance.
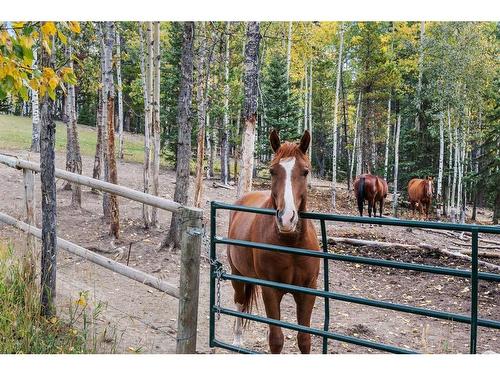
(288, 55)
(453, 210)
(396, 167)
(359, 147)
(156, 116)
(450, 162)
(441, 160)
(146, 84)
(250, 108)
(224, 151)
(387, 138)
(120, 95)
(420, 72)
(98, 147)
(306, 97)
(184, 140)
(35, 111)
(335, 115)
(355, 151)
(309, 118)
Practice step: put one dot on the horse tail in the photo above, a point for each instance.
(361, 195)
(250, 299)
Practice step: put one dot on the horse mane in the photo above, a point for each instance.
(289, 149)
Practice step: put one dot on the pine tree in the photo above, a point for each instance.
(282, 108)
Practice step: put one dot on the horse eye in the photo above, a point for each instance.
(271, 172)
(306, 172)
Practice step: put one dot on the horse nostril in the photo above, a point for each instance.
(293, 216)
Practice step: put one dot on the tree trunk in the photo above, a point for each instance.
(156, 117)
(288, 55)
(309, 117)
(48, 198)
(224, 149)
(335, 115)
(450, 162)
(120, 95)
(355, 151)
(184, 140)
(441, 161)
(108, 90)
(359, 144)
(98, 147)
(387, 139)
(146, 85)
(396, 167)
(420, 73)
(306, 96)
(73, 157)
(201, 100)
(250, 108)
(35, 110)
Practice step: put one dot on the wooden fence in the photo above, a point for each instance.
(191, 238)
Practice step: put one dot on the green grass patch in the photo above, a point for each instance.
(15, 134)
(23, 329)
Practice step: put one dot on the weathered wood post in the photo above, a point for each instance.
(190, 239)
(29, 204)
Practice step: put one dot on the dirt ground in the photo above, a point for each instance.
(136, 318)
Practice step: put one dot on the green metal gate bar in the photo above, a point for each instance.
(218, 274)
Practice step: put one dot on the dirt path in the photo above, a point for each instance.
(137, 318)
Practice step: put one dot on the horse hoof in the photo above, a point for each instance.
(238, 341)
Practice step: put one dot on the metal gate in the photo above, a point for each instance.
(217, 275)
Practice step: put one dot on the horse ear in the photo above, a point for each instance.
(274, 138)
(304, 141)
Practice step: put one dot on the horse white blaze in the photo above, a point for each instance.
(290, 217)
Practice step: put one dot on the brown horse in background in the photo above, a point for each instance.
(420, 193)
(288, 195)
(373, 189)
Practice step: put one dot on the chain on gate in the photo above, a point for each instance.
(219, 270)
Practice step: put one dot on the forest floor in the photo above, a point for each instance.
(136, 318)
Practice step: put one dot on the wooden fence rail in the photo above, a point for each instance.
(191, 234)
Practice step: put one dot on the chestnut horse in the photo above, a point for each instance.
(288, 196)
(373, 189)
(420, 193)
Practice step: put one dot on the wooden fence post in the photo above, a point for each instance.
(29, 203)
(190, 239)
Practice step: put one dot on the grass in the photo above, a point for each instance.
(24, 330)
(15, 134)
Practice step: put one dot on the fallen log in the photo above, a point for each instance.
(485, 254)
(359, 242)
(479, 246)
(216, 185)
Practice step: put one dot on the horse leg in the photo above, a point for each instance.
(305, 304)
(381, 206)
(239, 298)
(272, 299)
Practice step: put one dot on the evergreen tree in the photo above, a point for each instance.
(281, 104)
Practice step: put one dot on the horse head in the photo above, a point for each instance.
(429, 181)
(289, 169)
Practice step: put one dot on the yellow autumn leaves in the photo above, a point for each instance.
(18, 42)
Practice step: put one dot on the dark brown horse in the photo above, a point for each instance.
(420, 194)
(288, 195)
(373, 189)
